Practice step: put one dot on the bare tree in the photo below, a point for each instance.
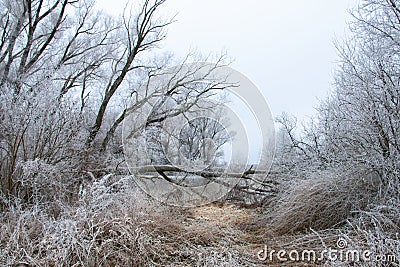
(69, 75)
(44, 52)
(367, 83)
(141, 34)
(359, 123)
(193, 139)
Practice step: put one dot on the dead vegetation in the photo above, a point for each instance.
(112, 224)
(322, 201)
(106, 228)
(339, 180)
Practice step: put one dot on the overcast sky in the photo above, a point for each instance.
(284, 47)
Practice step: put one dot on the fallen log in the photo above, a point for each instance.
(162, 169)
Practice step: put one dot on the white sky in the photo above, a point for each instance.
(284, 47)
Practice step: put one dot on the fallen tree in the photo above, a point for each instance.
(254, 182)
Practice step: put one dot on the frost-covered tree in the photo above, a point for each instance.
(358, 126)
(69, 75)
(361, 120)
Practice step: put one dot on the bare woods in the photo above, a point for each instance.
(70, 75)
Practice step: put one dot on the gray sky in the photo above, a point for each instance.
(284, 47)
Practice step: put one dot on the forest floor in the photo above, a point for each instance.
(246, 229)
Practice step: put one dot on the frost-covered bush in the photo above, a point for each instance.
(322, 201)
(35, 127)
(111, 224)
(40, 183)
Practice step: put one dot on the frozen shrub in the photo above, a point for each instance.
(111, 224)
(322, 201)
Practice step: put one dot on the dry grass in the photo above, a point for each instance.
(112, 224)
(321, 202)
(223, 215)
